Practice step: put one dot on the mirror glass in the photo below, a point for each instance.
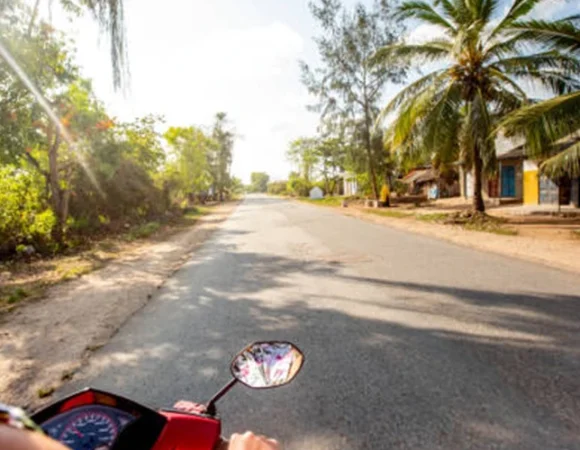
(267, 364)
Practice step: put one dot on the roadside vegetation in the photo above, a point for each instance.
(27, 278)
(477, 221)
(326, 201)
(70, 174)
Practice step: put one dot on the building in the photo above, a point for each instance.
(316, 193)
(428, 181)
(506, 185)
(350, 184)
(518, 179)
(510, 175)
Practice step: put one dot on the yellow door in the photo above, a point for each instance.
(531, 189)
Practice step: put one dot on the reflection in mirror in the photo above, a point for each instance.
(267, 364)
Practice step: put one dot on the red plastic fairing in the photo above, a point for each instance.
(188, 432)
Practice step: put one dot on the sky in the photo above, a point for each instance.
(192, 58)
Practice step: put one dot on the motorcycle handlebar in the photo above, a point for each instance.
(223, 444)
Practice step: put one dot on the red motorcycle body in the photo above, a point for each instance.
(98, 420)
(140, 428)
(188, 432)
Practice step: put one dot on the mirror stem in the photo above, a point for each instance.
(210, 408)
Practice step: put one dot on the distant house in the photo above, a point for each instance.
(316, 193)
(427, 181)
(540, 190)
(506, 184)
(349, 184)
(518, 179)
(509, 182)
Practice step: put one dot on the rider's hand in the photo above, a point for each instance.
(249, 441)
(14, 439)
(190, 407)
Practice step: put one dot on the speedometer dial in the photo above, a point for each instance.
(89, 431)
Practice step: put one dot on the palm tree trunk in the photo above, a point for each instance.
(478, 204)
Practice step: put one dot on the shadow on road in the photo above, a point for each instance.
(484, 369)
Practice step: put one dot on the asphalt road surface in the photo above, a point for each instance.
(410, 342)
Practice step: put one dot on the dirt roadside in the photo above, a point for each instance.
(557, 253)
(43, 343)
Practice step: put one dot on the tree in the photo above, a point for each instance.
(544, 123)
(259, 182)
(190, 169)
(109, 14)
(349, 84)
(55, 149)
(144, 142)
(236, 186)
(332, 155)
(297, 185)
(67, 169)
(303, 153)
(220, 160)
(277, 187)
(452, 112)
(318, 156)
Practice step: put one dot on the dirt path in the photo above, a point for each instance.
(558, 253)
(43, 343)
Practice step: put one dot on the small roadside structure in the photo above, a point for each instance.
(316, 193)
(350, 184)
(429, 182)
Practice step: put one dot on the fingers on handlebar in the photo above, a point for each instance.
(250, 441)
(223, 444)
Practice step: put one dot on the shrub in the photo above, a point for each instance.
(277, 187)
(127, 192)
(144, 231)
(24, 216)
(299, 186)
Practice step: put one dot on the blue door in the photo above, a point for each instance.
(508, 181)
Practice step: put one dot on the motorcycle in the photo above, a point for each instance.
(96, 420)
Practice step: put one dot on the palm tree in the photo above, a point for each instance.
(451, 113)
(552, 126)
(109, 14)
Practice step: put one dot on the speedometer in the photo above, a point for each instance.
(89, 431)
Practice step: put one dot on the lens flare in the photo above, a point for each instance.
(6, 56)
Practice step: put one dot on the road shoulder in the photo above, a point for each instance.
(558, 254)
(43, 343)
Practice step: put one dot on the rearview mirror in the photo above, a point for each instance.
(264, 365)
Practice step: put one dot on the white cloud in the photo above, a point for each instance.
(425, 32)
(551, 9)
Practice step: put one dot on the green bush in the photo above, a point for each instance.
(17, 295)
(277, 188)
(364, 184)
(24, 216)
(127, 193)
(144, 231)
(299, 187)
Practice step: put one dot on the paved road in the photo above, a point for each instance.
(410, 342)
